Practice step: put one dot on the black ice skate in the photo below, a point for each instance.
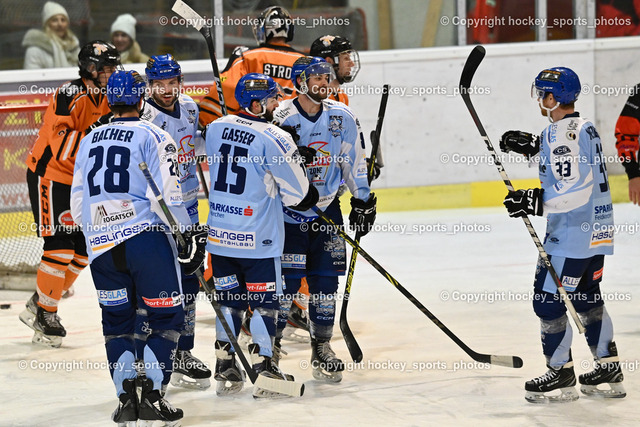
(228, 374)
(607, 371)
(297, 325)
(264, 366)
(153, 407)
(563, 379)
(28, 315)
(48, 329)
(326, 366)
(126, 414)
(190, 372)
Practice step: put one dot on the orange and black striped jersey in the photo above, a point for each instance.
(274, 60)
(72, 109)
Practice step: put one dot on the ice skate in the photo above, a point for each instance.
(48, 329)
(228, 374)
(126, 414)
(190, 372)
(297, 329)
(69, 292)
(153, 407)
(607, 371)
(326, 366)
(263, 365)
(28, 315)
(562, 379)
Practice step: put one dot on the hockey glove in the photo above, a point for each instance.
(520, 142)
(103, 120)
(291, 131)
(524, 202)
(308, 155)
(363, 214)
(192, 256)
(376, 169)
(309, 200)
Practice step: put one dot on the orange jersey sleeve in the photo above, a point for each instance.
(70, 112)
(273, 60)
(627, 132)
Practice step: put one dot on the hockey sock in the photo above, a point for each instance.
(283, 314)
(556, 337)
(120, 354)
(263, 329)
(142, 331)
(599, 330)
(158, 356)
(233, 316)
(187, 337)
(77, 264)
(51, 277)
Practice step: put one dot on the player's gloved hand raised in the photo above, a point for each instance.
(308, 154)
(363, 214)
(524, 202)
(103, 120)
(376, 169)
(520, 142)
(192, 256)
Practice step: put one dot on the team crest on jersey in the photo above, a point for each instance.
(571, 136)
(335, 246)
(192, 116)
(335, 125)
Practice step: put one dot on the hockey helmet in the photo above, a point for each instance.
(125, 88)
(562, 82)
(274, 21)
(256, 87)
(161, 67)
(99, 53)
(305, 67)
(334, 47)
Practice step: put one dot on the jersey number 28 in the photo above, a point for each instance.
(116, 175)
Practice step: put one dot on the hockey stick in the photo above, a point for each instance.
(473, 62)
(198, 22)
(289, 388)
(349, 338)
(508, 361)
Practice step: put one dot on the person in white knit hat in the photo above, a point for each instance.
(55, 45)
(123, 37)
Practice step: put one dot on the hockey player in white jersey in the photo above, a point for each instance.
(177, 114)
(575, 198)
(255, 169)
(331, 130)
(131, 253)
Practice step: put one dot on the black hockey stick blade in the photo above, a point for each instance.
(508, 361)
(473, 62)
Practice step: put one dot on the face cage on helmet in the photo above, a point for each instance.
(355, 68)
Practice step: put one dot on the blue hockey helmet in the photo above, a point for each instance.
(162, 67)
(307, 66)
(256, 87)
(274, 21)
(562, 82)
(125, 88)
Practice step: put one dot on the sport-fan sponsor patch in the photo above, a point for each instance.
(166, 302)
(112, 212)
(597, 275)
(261, 287)
(226, 283)
(113, 297)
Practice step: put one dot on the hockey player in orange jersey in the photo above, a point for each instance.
(338, 52)
(273, 57)
(74, 109)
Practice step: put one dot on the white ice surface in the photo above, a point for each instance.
(495, 265)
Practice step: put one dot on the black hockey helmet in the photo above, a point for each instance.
(332, 46)
(99, 53)
(274, 21)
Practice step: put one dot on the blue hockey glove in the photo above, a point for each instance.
(524, 202)
(192, 256)
(520, 142)
(363, 214)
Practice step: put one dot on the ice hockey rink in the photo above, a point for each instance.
(473, 268)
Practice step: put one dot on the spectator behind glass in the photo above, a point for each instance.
(123, 37)
(55, 45)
